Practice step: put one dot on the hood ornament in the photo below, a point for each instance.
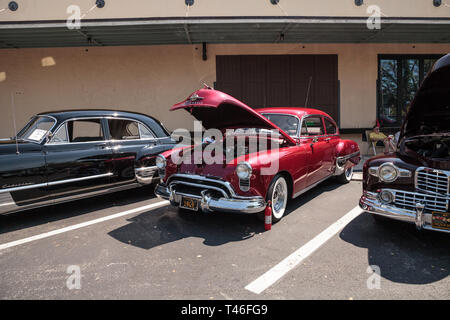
(195, 97)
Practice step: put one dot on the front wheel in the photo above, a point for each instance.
(346, 176)
(278, 194)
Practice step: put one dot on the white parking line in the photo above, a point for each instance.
(278, 271)
(83, 224)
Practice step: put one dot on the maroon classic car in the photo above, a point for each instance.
(413, 183)
(301, 148)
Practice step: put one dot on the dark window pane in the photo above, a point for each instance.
(331, 129)
(123, 129)
(388, 113)
(410, 83)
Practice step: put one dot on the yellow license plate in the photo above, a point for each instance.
(440, 220)
(189, 203)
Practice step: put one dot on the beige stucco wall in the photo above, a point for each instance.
(57, 10)
(150, 79)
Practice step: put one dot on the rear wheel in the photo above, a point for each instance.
(278, 194)
(346, 176)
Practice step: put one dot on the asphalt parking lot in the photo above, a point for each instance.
(130, 245)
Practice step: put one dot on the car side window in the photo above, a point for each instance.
(331, 128)
(312, 126)
(121, 129)
(145, 132)
(85, 130)
(60, 136)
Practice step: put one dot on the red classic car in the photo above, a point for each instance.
(303, 149)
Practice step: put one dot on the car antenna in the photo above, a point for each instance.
(307, 93)
(13, 109)
(206, 86)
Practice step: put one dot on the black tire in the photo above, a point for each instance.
(346, 176)
(278, 180)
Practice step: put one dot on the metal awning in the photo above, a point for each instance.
(163, 31)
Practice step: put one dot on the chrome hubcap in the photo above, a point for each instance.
(279, 198)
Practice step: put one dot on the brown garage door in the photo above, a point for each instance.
(281, 80)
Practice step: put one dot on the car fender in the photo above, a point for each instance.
(347, 153)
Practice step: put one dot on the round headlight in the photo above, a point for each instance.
(160, 161)
(388, 172)
(244, 170)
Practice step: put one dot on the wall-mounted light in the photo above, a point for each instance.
(359, 2)
(437, 3)
(189, 2)
(100, 3)
(13, 6)
(274, 2)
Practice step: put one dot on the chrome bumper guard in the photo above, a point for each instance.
(210, 204)
(370, 202)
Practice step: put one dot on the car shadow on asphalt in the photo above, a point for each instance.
(34, 217)
(403, 254)
(165, 225)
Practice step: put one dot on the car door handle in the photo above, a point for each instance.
(101, 145)
(327, 139)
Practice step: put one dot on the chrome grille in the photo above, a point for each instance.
(432, 181)
(202, 182)
(408, 200)
(244, 184)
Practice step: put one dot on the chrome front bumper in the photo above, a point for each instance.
(370, 202)
(210, 204)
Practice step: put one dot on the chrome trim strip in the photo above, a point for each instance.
(344, 158)
(146, 169)
(31, 186)
(104, 175)
(53, 183)
(15, 208)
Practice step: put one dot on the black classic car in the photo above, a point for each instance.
(65, 155)
(413, 184)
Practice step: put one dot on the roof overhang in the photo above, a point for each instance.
(195, 30)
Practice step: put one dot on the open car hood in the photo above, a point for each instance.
(429, 112)
(219, 110)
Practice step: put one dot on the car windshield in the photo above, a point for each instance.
(36, 129)
(287, 123)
